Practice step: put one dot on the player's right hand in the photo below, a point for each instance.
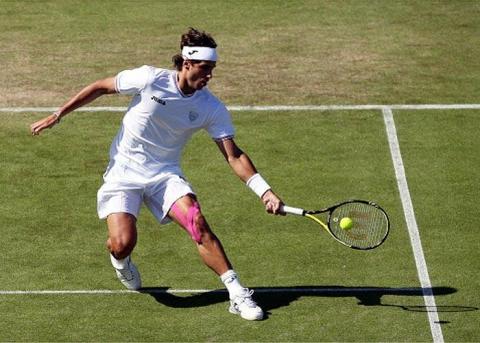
(45, 123)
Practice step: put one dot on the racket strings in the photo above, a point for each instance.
(370, 224)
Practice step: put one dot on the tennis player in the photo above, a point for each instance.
(167, 107)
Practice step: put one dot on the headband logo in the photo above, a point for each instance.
(192, 52)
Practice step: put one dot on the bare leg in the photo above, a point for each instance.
(122, 234)
(122, 237)
(188, 215)
(209, 246)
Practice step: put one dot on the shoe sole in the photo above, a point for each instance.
(234, 311)
(128, 285)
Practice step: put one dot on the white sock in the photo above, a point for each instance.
(230, 280)
(119, 264)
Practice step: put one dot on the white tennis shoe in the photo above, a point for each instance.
(129, 276)
(245, 306)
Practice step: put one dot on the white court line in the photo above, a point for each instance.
(269, 108)
(320, 290)
(412, 226)
(354, 107)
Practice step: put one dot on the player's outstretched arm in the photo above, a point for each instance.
(85, 96)
(246, 171)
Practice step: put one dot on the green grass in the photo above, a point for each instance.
(59, 241)
(441, 160)
(276, 53)
(271, 52)
(58, 231)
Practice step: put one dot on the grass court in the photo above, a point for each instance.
(56, 281)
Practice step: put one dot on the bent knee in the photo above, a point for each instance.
(197, 226)
(120, 247)
(122, 234)
(192, 221)
(202, 230)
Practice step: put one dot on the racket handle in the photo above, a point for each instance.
(292, 210)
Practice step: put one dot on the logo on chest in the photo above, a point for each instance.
(159, 100)
(192, 116)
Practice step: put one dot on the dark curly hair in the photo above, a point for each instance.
(193, 37)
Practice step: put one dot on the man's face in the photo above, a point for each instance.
(198, 73)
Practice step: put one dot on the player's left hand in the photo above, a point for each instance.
(272, 203)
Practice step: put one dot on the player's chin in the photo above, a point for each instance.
(200, 85)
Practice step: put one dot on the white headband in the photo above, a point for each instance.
(200, 53)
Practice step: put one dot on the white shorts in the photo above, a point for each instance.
(125, 189)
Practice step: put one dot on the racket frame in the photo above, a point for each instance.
(310, 214)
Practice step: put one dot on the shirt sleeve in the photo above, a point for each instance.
(133, 81)
(221, 126)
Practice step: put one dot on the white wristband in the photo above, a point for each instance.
(257, 184)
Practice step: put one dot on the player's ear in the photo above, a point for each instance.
(187, 64)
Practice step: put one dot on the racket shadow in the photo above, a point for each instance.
(271, 298)
(277, 297)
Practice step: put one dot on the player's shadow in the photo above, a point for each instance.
(276, 297)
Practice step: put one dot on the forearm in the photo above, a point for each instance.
(242, 166)
(246, 171)
(87, 95)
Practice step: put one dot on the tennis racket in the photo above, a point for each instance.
(370, 222)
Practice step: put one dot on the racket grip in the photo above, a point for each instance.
(292, 210)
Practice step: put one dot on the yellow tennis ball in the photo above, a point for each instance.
(346, 223)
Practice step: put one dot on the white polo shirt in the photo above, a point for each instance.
(160, 119)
